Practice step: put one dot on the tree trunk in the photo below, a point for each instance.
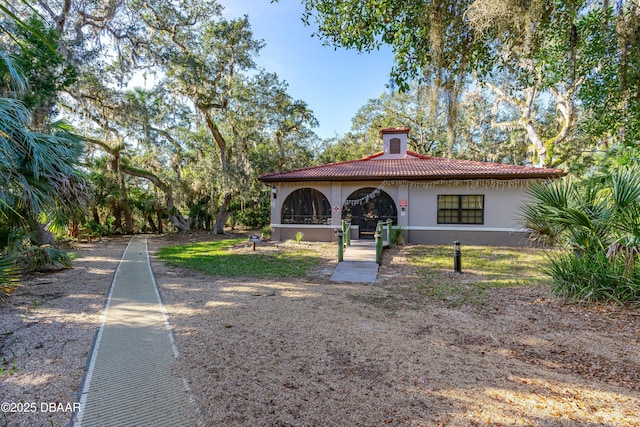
(159, 217)
(42, 236)
(175, 217)
(96, 216)
(434, 102)
(74, 229)
(221, 217)
(534, 137)
(179, 222)
(453, 91)
(126, 209)
(117, 215)
(128, 219)
(451, 126)
(117, 166)
(152, 224)
(124, 199)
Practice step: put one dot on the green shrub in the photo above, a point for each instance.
(593, 277)
(597, 222)
(396, 232)
(299, 236)
(266, 232)
(97, 228)
(255, 216)
(41, 258)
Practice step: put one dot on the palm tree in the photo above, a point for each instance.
(38, 178)
(38, 174)
(625, 221)
(569, 214)
(598, 221)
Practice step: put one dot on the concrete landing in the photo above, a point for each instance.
(128, 381)
(359, 265)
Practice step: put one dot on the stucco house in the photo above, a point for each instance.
(435, 200)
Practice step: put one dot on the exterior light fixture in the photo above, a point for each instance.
(457, 261)
(273, 191)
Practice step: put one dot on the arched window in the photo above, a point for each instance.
(306, 206)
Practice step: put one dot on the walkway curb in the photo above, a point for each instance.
(128, 379)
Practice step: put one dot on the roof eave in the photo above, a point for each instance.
(415, 178)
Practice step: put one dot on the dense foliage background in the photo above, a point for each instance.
(545, 82)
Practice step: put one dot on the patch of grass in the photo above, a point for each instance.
(429, 275)
(483, 266)
(8, 367)
(218, 258)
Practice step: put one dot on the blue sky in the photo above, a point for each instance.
(334, 83)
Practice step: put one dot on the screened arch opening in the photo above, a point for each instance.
(366, 206)
(306, 206)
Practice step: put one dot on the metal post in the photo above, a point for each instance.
(346, 229)
(340, 246)
(457, 258)
(343, 226)
(389, 232)
(378, 237)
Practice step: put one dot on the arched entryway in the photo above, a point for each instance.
(366, 206)
(306, 206)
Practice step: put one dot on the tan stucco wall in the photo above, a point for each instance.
(311, 234)
(501, 206)
(473, 238)
(501, 211)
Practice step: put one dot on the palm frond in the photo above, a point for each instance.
(9, 276)
(41, 258)
(15, 79)
(554, 194)
(625, 186)
(15, 18)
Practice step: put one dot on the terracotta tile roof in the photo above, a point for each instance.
(413, 167)
(394, 130)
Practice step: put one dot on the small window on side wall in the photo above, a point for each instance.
(394, 146)
(461, 209)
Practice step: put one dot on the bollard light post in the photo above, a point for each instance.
(340, 246)
(378, 237)
(457, 261)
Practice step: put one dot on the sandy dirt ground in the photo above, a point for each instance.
(310, 352)
(47, 328)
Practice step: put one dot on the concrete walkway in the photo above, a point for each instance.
(359, 265)
(128, 379)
